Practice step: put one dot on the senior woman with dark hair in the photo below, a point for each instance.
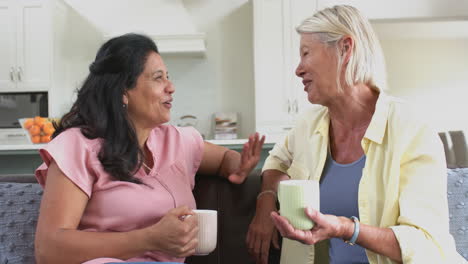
(118, 181)
(381, 169)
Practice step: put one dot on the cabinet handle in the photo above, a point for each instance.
(12, 74)
(289, 106)
(20, 73)
(296, 106)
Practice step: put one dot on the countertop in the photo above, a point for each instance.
(22, 147)
(32, 148)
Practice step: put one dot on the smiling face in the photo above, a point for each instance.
(150, 101)
(317, 68)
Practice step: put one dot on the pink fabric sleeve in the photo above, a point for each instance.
(194, 151)
(73, 154)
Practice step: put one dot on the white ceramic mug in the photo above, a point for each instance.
(207, 231)
(294, 196)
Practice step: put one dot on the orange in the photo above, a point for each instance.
(34, 130)
(39, 121)
(28, 123)
(48, 129)
(45, 123)
(36, 139)
(45, 139)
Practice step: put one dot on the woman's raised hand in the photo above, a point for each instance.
(250, 156)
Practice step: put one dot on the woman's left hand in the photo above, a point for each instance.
(325, 227)
(250, 156)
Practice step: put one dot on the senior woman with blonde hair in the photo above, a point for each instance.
(381, 169)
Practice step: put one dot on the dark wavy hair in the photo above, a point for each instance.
(99, 110)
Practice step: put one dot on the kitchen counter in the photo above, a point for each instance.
(24, 158)
(32, 148)
(238, 143)
(26, 147)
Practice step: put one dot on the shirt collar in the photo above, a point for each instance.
(377, 126)
(324, 123)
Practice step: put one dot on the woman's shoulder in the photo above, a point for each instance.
(169, 133)
(171, 130)
(404, 112)
(406, 121)
(74, 137)
(172, 142)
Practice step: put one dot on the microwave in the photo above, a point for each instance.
(14, 106)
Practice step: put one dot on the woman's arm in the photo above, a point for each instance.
(59, 241)
(261, 231)
(379, 240)
(230, 164)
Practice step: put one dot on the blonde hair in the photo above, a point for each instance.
(366, 64)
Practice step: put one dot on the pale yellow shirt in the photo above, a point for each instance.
(403, 184)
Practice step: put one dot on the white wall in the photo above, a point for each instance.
(433, 75)
(222, 81)
(72, 55)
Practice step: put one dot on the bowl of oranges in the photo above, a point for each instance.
(40, 129)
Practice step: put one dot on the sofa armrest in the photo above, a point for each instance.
(457, 194)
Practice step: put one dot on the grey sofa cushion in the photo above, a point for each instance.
(19, 203)
(19, 178)
(457, 193)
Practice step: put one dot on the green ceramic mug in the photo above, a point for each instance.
(294, 196)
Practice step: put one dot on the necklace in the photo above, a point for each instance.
(146, 166)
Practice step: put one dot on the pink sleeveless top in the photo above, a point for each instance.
(116, 206)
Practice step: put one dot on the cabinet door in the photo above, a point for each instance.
(404, 9)
(271, 43)
(7, 46)
(300, 10)
(33, 52)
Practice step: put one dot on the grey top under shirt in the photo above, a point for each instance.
(339, 196)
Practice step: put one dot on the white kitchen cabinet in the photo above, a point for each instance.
(7, 46)
(406, 10)
(26, 46)
(33, 46)
(45, 46)
(279, 94)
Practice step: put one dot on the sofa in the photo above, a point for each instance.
(20, 198)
